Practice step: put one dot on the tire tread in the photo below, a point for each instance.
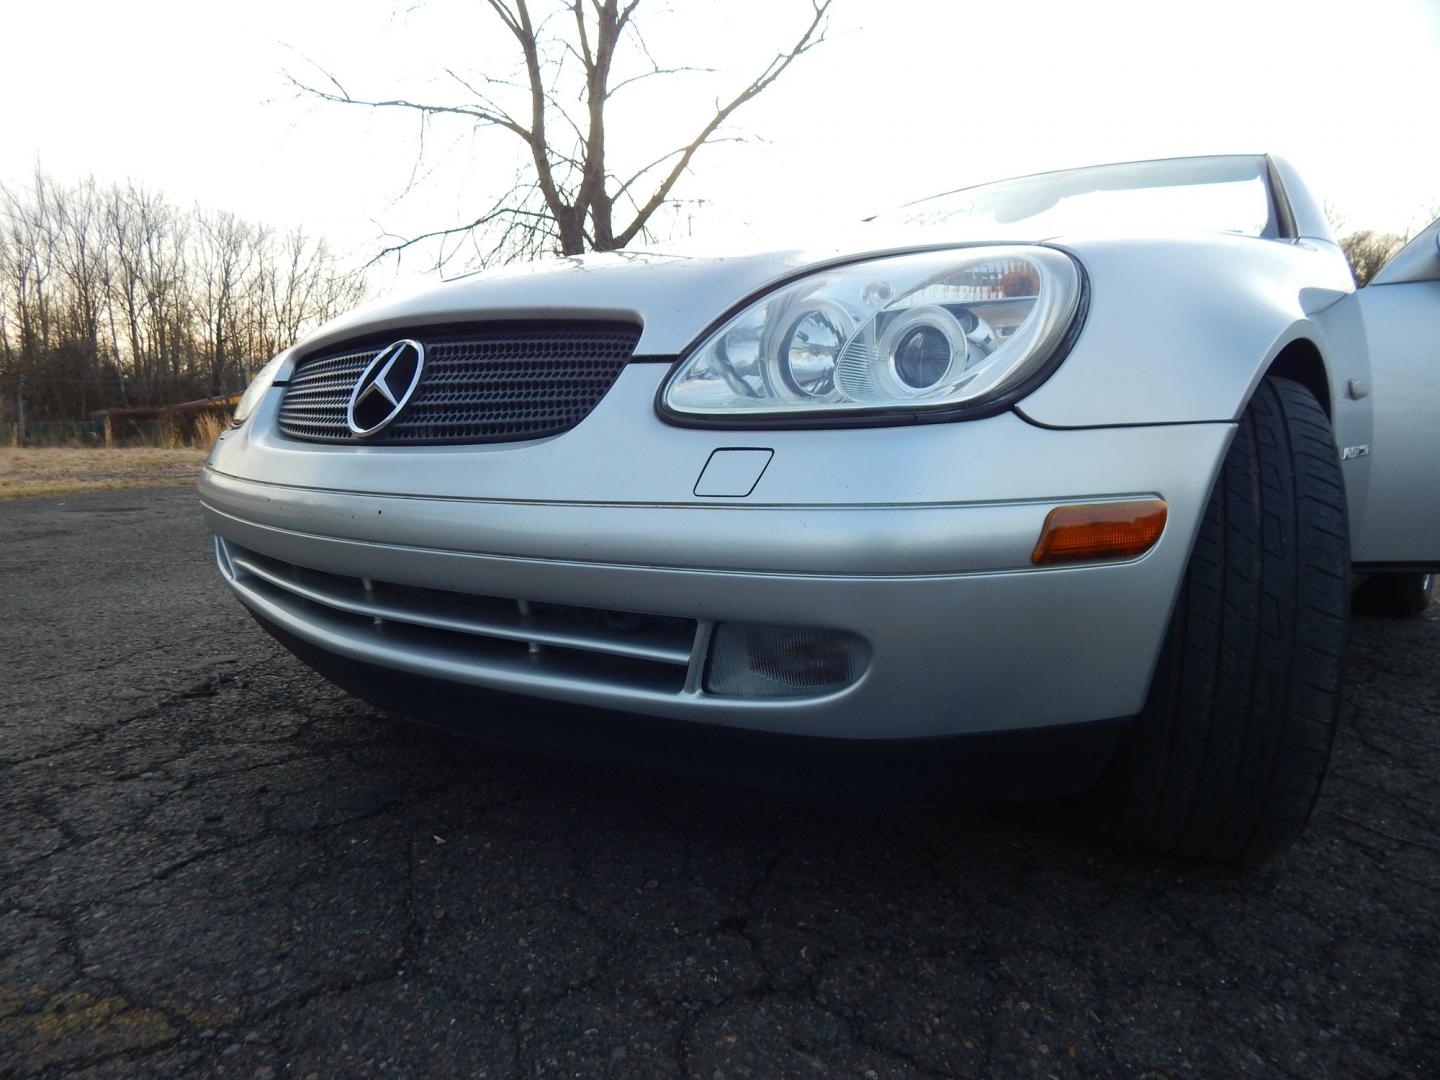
(1226, 759)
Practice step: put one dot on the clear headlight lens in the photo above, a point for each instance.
(939, 330)
(264, 379)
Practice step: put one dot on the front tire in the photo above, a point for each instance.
(1225, 760)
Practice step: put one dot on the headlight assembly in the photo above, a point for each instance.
(264, 379)
(939, 334)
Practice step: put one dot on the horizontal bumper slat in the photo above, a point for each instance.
(639, 646)
(517, 673)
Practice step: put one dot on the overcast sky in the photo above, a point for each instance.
(907, 97)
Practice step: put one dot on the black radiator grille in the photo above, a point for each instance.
(481, 384)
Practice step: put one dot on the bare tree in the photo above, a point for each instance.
(565, 196)
(79, 261)
(113, 296)
(228, 249)
(296, 281)
(1368, 250)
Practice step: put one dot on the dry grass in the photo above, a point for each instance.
(208, 428)
(60, 471)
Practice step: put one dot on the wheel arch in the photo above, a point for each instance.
(1300, 360)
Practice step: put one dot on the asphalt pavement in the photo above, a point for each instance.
(214, 863)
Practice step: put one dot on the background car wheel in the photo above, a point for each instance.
(1225, 761)
(1400, 595)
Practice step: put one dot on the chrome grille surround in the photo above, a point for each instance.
(488, 383)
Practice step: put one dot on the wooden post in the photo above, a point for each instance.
(109, 434)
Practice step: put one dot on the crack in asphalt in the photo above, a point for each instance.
(255, 875)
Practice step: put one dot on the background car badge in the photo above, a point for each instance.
(386, 385)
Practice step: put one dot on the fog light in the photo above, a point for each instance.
(777, 661)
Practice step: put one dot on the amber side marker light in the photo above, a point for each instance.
(1094, 532)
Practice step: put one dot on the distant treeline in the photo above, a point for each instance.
(114, 297)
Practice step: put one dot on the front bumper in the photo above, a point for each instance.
(965, 637)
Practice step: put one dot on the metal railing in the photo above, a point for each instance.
(54, 433)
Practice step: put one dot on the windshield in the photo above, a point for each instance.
(1217, 194)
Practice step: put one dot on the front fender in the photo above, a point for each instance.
(1181, 331)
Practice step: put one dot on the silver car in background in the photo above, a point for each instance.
(1054, 485)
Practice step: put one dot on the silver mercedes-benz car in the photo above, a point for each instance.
(1055, 485)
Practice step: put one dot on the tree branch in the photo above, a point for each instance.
(814, 34)
(454, 230)
(480, 114)
(683, 70)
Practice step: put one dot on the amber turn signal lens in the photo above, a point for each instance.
(1097, 531)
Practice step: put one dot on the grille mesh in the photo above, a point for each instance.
(483, 384)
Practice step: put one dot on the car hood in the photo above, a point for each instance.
(674, 295)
